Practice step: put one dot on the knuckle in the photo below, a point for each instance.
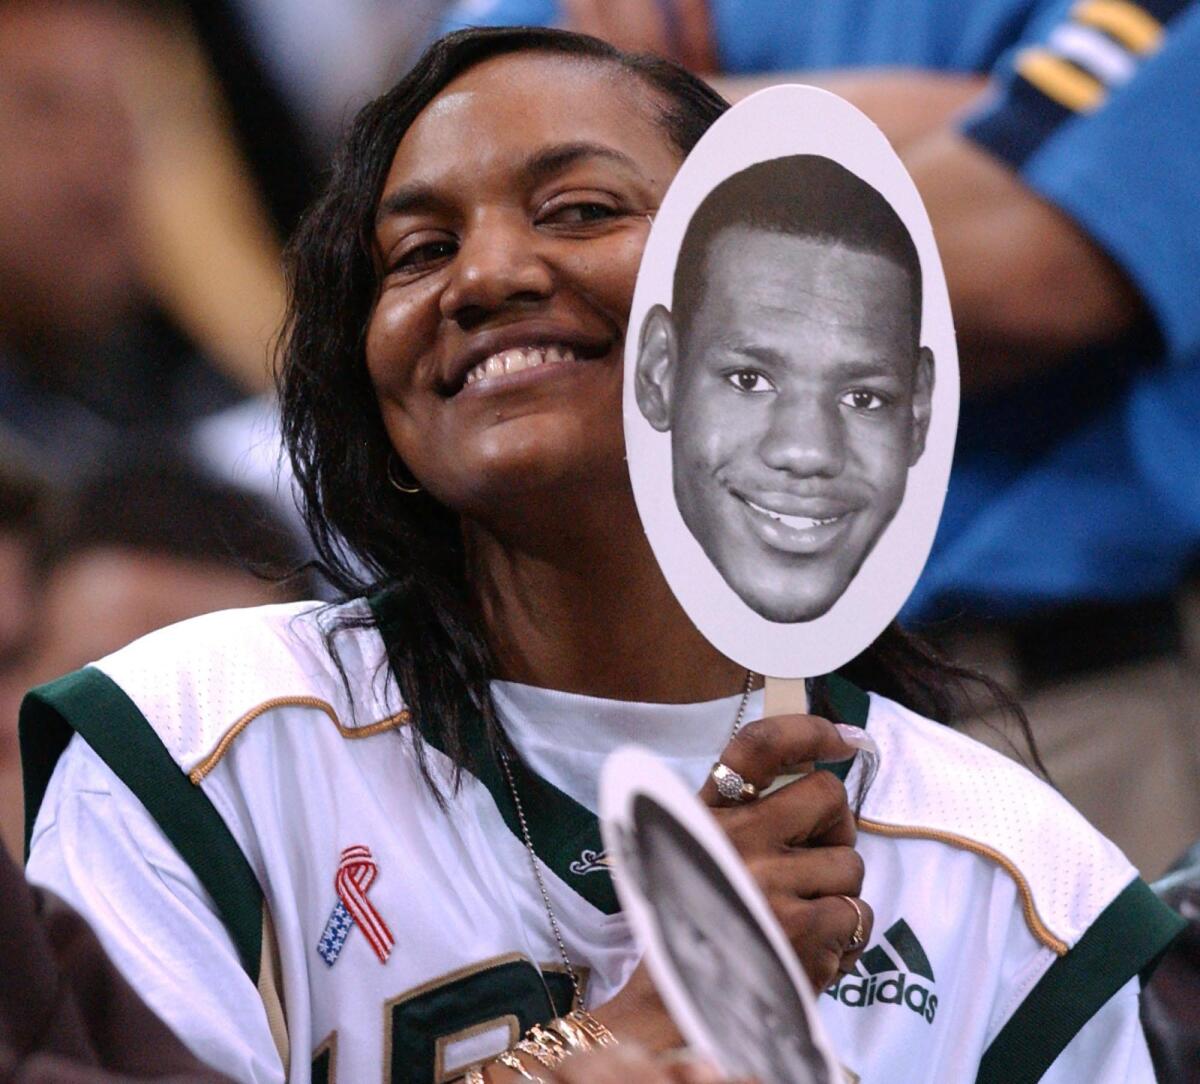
(852, 865)
(796, 917)
(858, 869)
(744, 833)
(829, 789)
(830, 962)
(760, 869)
(755, 739)
(783, 904)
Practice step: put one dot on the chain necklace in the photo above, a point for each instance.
(535, 864)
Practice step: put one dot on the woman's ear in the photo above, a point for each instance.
(657, 353)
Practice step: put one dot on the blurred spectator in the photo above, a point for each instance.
(1054, 143)
(209, 254)
(136, 547)
(66, 1015)
(1171, 1000)
(84, 355)
(293, 72)
(242, 446)
(150, 543)
(21, 507)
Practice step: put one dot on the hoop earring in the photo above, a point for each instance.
(412, 487)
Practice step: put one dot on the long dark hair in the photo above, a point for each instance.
(373, 540)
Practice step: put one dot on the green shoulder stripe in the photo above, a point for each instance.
(91, 704)
(852, 706)
(851, 703)
(1127, 939)
(565, 834)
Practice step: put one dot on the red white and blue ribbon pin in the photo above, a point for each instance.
(356, 872)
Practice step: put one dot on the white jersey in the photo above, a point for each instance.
(221, 776)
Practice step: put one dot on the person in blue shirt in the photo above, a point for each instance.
(1054, 142)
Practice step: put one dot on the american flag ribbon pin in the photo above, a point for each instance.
(356, 872)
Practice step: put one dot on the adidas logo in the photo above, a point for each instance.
(878, 980)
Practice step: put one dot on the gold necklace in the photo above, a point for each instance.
(535, 862)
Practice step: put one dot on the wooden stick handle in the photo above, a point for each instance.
(785, 696)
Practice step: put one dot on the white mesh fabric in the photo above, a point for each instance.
(194, 680)
(940, 780)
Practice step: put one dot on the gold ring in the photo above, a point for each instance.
(730, 784)
(859, 937)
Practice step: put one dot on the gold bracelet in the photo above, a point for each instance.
(511, 1061)
(592, 1027)
(550, 1038)
(474, 1075)
(572, 1033)
(540, 1052)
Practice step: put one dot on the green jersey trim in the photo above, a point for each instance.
(1127, 939)
(564, 833)
(91, 704)
(849, 701)
(852, 706)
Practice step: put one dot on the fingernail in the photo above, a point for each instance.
(857, 738)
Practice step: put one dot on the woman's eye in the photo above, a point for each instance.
(578, 214)
(422, 256)
(749, 381)
(864, 399)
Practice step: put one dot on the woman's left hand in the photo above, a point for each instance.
(798, 841)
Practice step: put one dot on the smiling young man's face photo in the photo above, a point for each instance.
(791, 378)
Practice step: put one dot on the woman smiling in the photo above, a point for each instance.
(340, 843)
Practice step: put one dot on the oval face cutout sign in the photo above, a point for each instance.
(791, 384)
(724, 967)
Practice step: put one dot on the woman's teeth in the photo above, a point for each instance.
(513, 361)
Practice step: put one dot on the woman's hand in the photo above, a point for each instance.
(798, 841)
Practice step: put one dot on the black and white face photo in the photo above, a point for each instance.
(739, 987)
(791, 369)
(791, 378)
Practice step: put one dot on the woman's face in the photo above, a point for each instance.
(508, 239)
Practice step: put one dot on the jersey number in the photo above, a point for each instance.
(436, 1032)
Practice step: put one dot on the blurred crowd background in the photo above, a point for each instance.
(156, 154)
